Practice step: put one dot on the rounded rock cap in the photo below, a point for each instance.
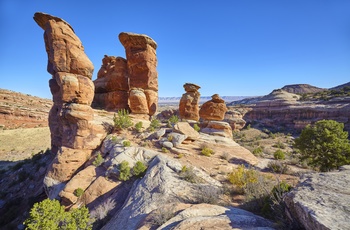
(132, 39)
(190, 87)
(42, 18)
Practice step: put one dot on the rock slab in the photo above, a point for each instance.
(321, 201)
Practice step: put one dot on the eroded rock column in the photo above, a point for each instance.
(73, 132)
(112, 84)
(143, 76)
(189, 102)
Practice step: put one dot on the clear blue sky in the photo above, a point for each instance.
(230, 47)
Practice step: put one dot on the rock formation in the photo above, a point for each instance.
(112, 84)
(141, 65)
(321, 201)
(74, 134)
(213, 110)
(189, 102)
(283, 111)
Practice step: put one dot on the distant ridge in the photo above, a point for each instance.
(340, 86)
(301, 88)
(163, 100)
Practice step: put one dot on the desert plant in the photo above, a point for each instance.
(124, 171)
(49, 214)
(196, 127)
(122, 120)
(279, 155)
(138, 126)
(101, 211)
(206, 151)
(155, 124)
(208, 194)
(98, 160)
(258, 151)
(278, 167)
(188, 174)
(139, 169)
(241, 176)
(173, 120)
(324, 145)
(162, 215)
(78, 192)
(165, 150)
(126, 143)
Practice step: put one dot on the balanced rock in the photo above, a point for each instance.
(189, 102)
(142, 63)
(138, 101)
(213, 110)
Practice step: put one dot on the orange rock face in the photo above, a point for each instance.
(74, 134)
(142, 63)
(112, 85)
(213, 110)
(138, 101)
(189, 102)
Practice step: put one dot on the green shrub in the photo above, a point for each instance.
(196, 127)
(241, 176)
(279, 155)
(258, 151)
(155, 124)
(278, 167)
(165, 150)
(324, 144)
(78, 192)
(280, 189)
(98, 160)
(49, 214)
(139, 169)
(188, 174)
(173, 120)
(124, 171)
(126, 143)
(122, 120)
(207, 151)
(138, 126)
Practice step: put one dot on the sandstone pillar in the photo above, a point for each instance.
(73, 134)
(189, 102)
(141, 63)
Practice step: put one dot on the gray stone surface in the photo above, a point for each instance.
(321, 201)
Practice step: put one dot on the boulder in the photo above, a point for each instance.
(138, 101)
(218, 128)
(189, 102)
(186, 129)
(213, 110)
(111, 101)
(177, 138)
(208, 216)
(321, 201)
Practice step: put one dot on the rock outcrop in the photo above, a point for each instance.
(213, 110)
(189, 102)
(141, 64)
(19, 110)
(321, 201)
(112, 84)
(74, 133)
(283, 111)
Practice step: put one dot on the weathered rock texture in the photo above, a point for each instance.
(213, 110)
(321, 201)
(112, 84)
(189, 102)
(74, 133)
(141, 65)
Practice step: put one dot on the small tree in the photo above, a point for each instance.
(49, 214)
(324, 145)
(139, 169)
(122, 120)
(124, 171)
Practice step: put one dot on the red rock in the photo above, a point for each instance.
(111, 101)
(152, 101)
(141, 60)
(213, 110)
(64, 48)
(189, 103)
(138, 101)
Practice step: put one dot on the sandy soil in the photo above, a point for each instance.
(19, 144)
